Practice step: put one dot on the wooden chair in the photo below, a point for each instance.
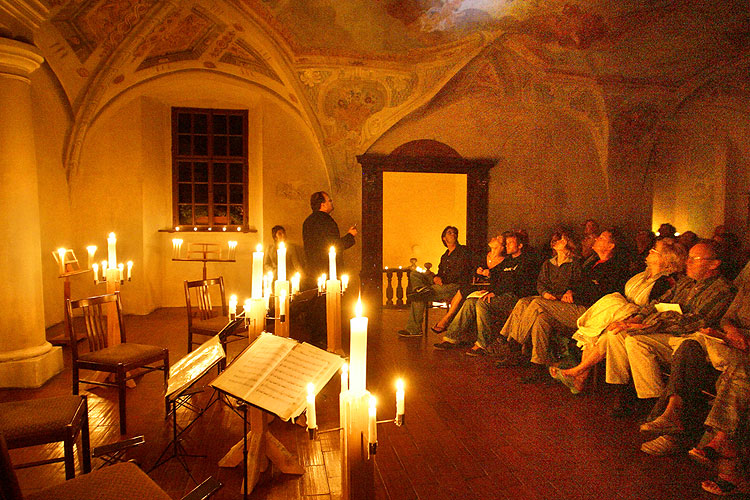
(203, 318)
(123, 481)
(33, 422)
(125, 361)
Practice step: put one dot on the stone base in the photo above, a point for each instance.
(31, 372)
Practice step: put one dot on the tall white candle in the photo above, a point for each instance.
(372, 422)
(91, 249)
(344, 377)
(358, 351)
(257, 290)
(282, 302)
(332, 262)
(112, 250)
(399, 397)
(130, 269)
(61, 256)
(281, 255)
(312, 421)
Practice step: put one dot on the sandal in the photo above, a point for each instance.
(566, 380)
(438, 329)
(706, 455)
(722, 487)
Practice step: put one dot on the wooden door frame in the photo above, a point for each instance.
(373, 166)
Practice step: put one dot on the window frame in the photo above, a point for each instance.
(210, 159)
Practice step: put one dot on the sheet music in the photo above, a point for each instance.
(284, 390)
(193, 366)
(248, 370)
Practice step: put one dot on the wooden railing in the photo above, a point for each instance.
(396, 282)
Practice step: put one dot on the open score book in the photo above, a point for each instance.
(273, 373)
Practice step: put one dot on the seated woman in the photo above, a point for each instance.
(494, 257)
(556, 280)
(664, 261)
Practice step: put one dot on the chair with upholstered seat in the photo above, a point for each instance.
(203, 318)
(33, 422)
(123, 481)
(124, 361)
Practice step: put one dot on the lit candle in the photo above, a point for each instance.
(120, 269)
(323, 282)
(104, 267)
(282, 304)
(344, 282)
(61, 255)
(176, 247)
(232, 306)
(372, 426)
(257, 290)
(95, 267)
(320, 284)
(399, 398)
(281, 254)
(344, 377)
(358, 350)
(112, 250)
(295, 283)
(332, 262)
(312, 422)
(130, 269)
(247, 306)
(232, 248)
(91, 249)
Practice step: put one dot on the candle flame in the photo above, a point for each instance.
(400, 384)
(130, 264)
(248, 303)
(310, 389)
(232, 244)
(282, 246)
(332, 250)
(358, 307)
(61, 252)
(373, 403)
(91, 249)
(259, 248)
(120, 266)
(111, 236)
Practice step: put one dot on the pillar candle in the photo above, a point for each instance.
(61, 255)
(281, 255)
(332, 262)
(358, 351)
(312, 421)
(130, 269)
(91, 249)
(257, 290)
(399, 398)
(112, 250)
(372, 422)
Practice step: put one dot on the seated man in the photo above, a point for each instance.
(511, 279)
(678, 413)
(651, 336)
(455, 269)
(604, 272)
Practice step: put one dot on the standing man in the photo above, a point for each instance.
(455, 269)
(319, 233)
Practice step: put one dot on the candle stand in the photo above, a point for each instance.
(333, 316)
(203, 252)
(68, 267)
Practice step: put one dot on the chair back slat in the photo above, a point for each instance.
(95, 320)
(200, 291)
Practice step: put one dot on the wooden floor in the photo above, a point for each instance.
(471, 432)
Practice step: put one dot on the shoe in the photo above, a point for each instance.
(707, 456)
(662, 446)
(408, 334)
(566, 380)
(419, 292)
(722, 487)
(445, 345)
(477, 352)
(662, 426)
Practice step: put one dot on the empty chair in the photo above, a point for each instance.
(203, 317)
(123, 360)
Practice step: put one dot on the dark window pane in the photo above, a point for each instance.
(220, 193)
(220, 146)
(183, 123)
(235, 146)
(235, 125)
(235, 215)
(185, 172)
(201, 214)
(186, 214)
(201, 172)
(200, 145)
(220, 124)
(235, 172)
(220, 215)
(220, 172)
(183, 144)
(201, 193)
(200, 124)
(235, 193)
(186, 193)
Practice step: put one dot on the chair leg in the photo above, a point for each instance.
(69, 457)
(85, 439)
(121, 388)
(166, 381)
(75, 380)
